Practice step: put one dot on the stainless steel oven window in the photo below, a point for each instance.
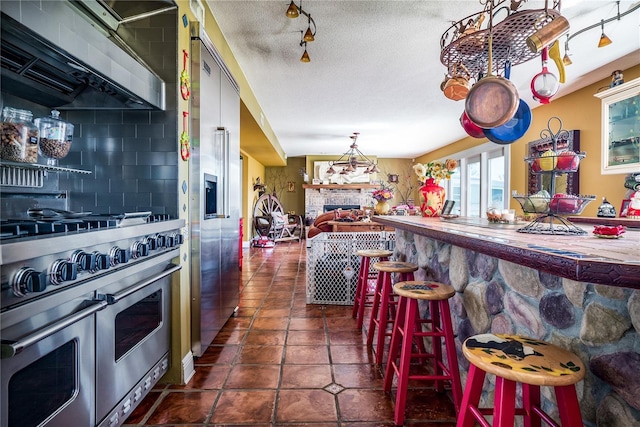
(137, 322)
(41, 388)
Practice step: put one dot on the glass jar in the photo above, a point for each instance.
(19, 136)
(55, 137)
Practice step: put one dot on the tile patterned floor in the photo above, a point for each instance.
(281, 362)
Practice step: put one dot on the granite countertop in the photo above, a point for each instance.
(584, 258)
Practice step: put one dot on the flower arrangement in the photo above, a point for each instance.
(382, 194)
(435, 170)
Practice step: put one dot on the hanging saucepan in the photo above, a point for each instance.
(469, 127)
(457, 87)
(544, 84)
(516, 127)
(493, 100)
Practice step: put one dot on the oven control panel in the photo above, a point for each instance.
(79, 258)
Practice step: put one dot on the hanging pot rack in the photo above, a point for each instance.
(466, 43)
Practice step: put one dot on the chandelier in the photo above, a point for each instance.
(352, 160)
(293, 11)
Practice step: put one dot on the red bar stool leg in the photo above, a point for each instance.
(396, 342)
(386, 300)
(361, 290)
(410, 311)
(375, 308)
(530, 402)
(471, 397)
(452, 355)
(569, 409)
(437, 348)
(504, 411)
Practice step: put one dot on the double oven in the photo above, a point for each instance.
(85, 316)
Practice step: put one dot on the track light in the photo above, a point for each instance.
(566, 60)
(294, 11)
(309, 36)
(305, 55)
(604, 40)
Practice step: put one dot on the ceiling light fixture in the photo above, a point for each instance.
(352, 160)
(293, 11)
(604, 40)
(566, 60)
(305, 55)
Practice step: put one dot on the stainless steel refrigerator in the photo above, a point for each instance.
(214, 190)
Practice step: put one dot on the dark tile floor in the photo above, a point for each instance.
(282, 362)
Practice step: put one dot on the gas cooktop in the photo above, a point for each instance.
(37, 225)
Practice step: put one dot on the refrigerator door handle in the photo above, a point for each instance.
(226, 197)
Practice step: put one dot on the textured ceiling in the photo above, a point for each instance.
(375, 68)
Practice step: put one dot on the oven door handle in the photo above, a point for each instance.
(12, 348)
(114, 298)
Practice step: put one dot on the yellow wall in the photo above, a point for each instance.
(580, 110)
(251, 169)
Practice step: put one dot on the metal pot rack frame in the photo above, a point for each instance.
(466, 43)
(551, 223)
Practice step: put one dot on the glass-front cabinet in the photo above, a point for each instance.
(621, 128)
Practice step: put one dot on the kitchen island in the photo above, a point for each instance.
(579, 292)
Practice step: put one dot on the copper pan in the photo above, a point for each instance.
(493, 100)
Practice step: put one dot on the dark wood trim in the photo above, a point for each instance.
(592, 263)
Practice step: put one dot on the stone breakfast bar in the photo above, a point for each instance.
(579, 292)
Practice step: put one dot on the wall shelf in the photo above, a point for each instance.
(29, 175)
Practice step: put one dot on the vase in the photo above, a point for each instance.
(382, 207)
(433, 198)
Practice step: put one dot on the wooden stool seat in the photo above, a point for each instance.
(383, 306)
(524, 360)
(363, 289)
(408, 331)
(395, 267)
(418, 289)
(374, 253)
(532, 363)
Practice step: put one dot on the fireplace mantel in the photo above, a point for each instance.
(342, 186)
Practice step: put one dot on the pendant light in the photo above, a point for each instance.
(293, 11)
(604, 40)
(352, 160)
(566, 60)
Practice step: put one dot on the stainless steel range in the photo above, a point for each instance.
(85, 316)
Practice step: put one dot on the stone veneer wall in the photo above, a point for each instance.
(599, 323)
(316, 198)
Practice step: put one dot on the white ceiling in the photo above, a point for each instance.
(375, 68)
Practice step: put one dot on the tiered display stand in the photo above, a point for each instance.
(552, 208)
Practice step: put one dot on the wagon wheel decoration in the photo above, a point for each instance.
(265, 206)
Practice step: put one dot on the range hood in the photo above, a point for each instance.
(60, 55)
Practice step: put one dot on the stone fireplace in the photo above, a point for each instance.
(318, 197)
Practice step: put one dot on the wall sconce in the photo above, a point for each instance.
(293, 11)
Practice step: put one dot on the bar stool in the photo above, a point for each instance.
(407, 328)
(364, 275)
(383, 306)
(530, 362)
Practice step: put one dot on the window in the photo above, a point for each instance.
(481, 180)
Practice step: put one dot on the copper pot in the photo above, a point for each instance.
(457, 87)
